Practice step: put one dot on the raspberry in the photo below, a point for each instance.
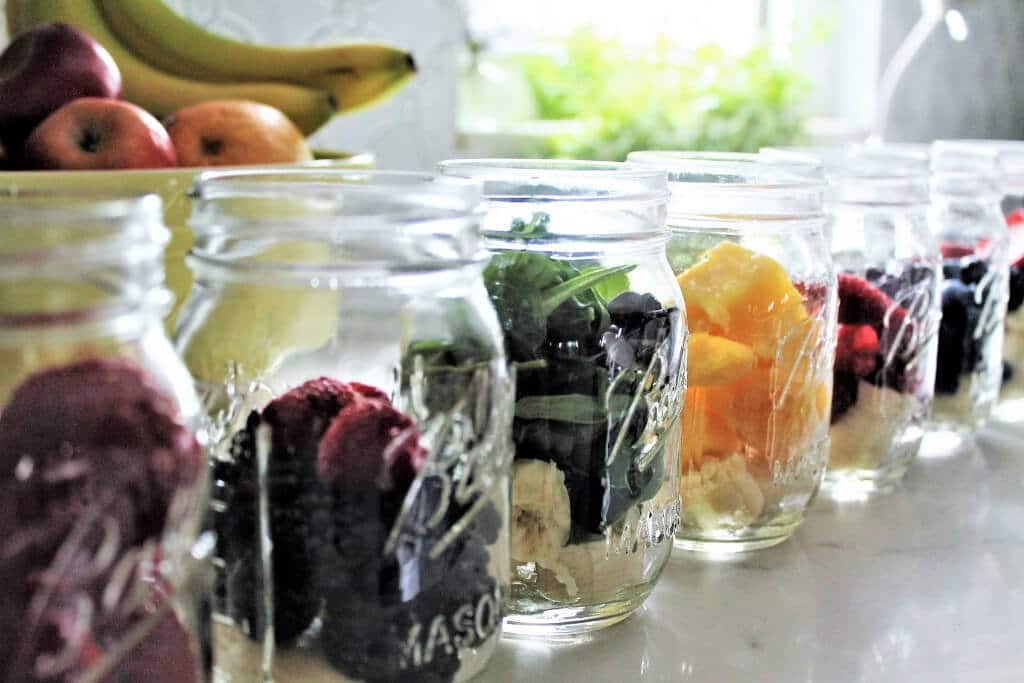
(857, 350)
(370, 443)
(861, 303)
(301, 416)
(951, 251)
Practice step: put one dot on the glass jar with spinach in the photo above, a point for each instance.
(359, 410)
(748, 244)
(594, 326)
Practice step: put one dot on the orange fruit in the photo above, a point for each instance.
(715, 360)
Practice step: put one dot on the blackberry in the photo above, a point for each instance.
(1016, 287)
(845, 386)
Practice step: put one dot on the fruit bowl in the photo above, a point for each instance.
(172, 186)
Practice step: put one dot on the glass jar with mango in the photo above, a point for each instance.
(749, 249)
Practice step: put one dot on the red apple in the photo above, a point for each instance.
(99, 133)
(44, 68)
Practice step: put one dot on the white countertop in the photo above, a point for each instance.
(924, 584)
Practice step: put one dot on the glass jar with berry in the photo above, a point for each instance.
(102, 475)
(966, 216)
(594, 327)
(749, 248)
(889, 308)
(1011, 396)
(358, 400)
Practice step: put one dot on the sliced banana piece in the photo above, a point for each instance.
(722, 493)
(541, 519)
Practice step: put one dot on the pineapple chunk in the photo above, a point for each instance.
(715, 360)
(747, 295)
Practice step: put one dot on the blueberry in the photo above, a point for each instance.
(959, 314)
(1007, 372)
(845, 386)
(1016, 287)
(973, 273)
(629, 305)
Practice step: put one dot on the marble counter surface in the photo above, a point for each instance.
(925, 584)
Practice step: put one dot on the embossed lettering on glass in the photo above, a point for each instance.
(1011, 397)
(359, 404)
(748, 245)
(102, 476)
(889, 309)
(594, 327)
(967, 188)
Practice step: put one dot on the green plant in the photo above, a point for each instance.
(665, 98)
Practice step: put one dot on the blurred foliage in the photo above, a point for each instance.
(665, 98)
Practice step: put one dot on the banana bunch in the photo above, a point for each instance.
(168, 62)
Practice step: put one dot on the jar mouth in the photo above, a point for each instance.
(965, 170)
(1011, 155)
(338, 220)
(716, 189)
(72, 230)
(882, 176)
(561, 180)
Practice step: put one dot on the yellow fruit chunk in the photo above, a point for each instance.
(704, 433)
(773, 417)
(716, 360)
(747, 295)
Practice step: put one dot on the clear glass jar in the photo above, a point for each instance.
(359, 401)
(748, 245)
(968, 221)
(889, 309)
(102, 476)
(1011, 396)
(594, 326)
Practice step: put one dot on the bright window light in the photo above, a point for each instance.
(956, 25)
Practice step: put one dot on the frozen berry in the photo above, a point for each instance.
(857, 350)
(1007, 372)
(1015, 218)
(1016, 287)
(95, 433)
(165, 655)
(845, 387)
(974, 272)
(861, 303)
(370, 443)
(959, 312)
(301, 416)
(953, 251)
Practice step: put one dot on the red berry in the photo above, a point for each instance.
(370, 444)
(857, 350)
(300, 417)
(1015, 218)
(956, 250)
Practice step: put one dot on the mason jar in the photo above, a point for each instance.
(889, 273)
(1011, 397)
(594, 327)
(102, 475)
(747, 243)
(967, 188)
(358, 399)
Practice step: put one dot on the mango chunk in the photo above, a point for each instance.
(774, 417)
(715, 360)
(704, 433)
(747, 295)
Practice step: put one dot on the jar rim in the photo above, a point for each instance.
(1011, 155)
(962, 169)
(866, 175)
(402, 214)
(737, 171)
(70, 206)
(583, 181)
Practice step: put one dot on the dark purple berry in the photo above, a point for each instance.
(844, 394)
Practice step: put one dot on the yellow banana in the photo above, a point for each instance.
(163, 93)
(357, 74)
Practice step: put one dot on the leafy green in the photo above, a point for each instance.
(527, 289)
(665, 98)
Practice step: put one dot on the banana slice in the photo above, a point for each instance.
(540, 518)
(722, 493)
